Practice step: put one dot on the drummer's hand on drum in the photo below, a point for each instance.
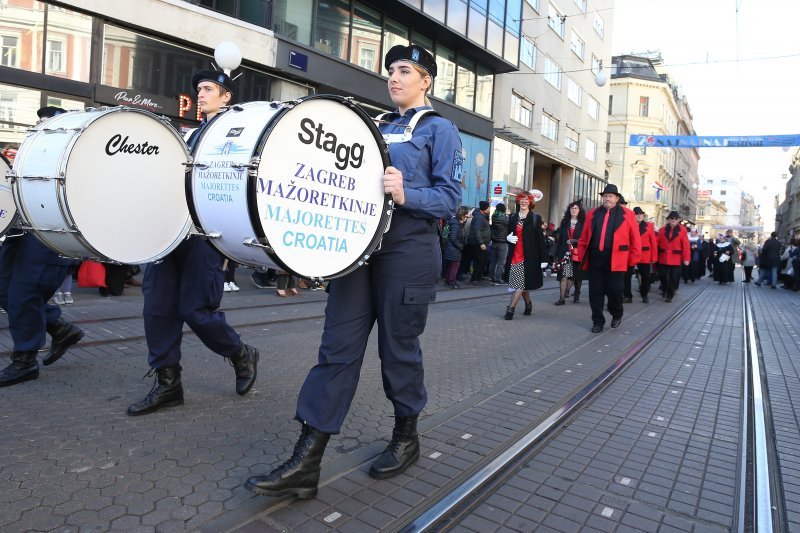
(393, 184)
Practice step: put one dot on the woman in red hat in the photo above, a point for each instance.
(527, 251)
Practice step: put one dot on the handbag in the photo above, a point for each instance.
(91, 274)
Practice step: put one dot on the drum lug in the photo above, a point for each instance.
(253, 243)
(251, 166)
(190, 164)
(210, 235)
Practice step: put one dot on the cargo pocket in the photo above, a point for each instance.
(413, 313)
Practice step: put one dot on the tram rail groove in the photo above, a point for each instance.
(760, 492)
(475, 484)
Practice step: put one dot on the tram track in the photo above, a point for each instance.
(759, 497)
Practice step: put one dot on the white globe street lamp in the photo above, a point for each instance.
(228, 56)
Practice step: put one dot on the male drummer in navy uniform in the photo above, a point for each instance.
(186, 287)
(30, 273)
(393, 290)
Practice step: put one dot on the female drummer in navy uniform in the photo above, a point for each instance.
(394, 289)
(186, 286)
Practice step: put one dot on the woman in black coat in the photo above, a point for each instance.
(567, 245)
(527, 252)
(454, 246)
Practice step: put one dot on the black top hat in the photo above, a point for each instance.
(49, 111)
(638, 210)
(413, 53)
(673, 214)
(214, 76)
(611, 189)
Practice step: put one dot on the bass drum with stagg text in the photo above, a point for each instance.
(296, 186)
(8, 209)
(106, 184)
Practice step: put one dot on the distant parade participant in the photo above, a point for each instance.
(694, 270)
(186, 286)
(649, 252)
(527, 250)
(394, 289)
(608, 246)
(673, 252)
(569, 232)
(724, 253)
(30, 274)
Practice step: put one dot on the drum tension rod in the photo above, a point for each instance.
(188, 164)
(40, 178)
(253, 243)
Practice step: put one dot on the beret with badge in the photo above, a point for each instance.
(413, 53)
(214, 76)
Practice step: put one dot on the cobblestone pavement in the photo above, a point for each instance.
(73, 461)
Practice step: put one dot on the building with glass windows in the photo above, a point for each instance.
(89, 53)
(550, 116)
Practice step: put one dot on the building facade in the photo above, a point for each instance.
(643, 101)
(787, 217)
(711, 215)
(549, 117)
(727, 191)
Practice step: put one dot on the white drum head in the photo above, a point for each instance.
(8, 209)
(125, 186)
(319, 192)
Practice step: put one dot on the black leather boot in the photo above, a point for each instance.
(167, 391)
(23, 367)
(63, 336)
(300, 474)
(528, 309)
(244, 364)
(509, 313)
(401, 452)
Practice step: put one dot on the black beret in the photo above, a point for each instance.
(49, 111)
(214, 76)
(413, 53)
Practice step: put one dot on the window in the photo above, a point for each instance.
(445, 86)
(574, 92)
(483, 92)
(465, 88)
(534, 4)
(549, 127)
(723, 192)
(457, 15)
(598, 24)
(55, 56)
(610, 104)
(333, 28)
(644, 106)
(608, 142)
(552, 73)
(594, 108)
(581, 5)
(521, 110)
(577, 45)
(710, 182)
(394, 34)
(595, 65)
(555, 20)
(366, 38)
(723, 182)
(642, 150)
(571, 139)
(9, 55)
(722, 204)
(476, 29)
(590, 150)
(527, 53)
(292, 18)
(638, 186)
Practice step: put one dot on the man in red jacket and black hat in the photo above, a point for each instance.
(609, 245)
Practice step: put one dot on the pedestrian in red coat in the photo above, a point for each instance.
(649, 252)
(608, 246)
(673, 251)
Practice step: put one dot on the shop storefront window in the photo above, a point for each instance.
(508, 163)
(68, 44)
(366, 51)
(445, 86)
(333, 27)
(292, 19)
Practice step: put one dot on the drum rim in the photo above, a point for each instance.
(252, 186)
(15, 217)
